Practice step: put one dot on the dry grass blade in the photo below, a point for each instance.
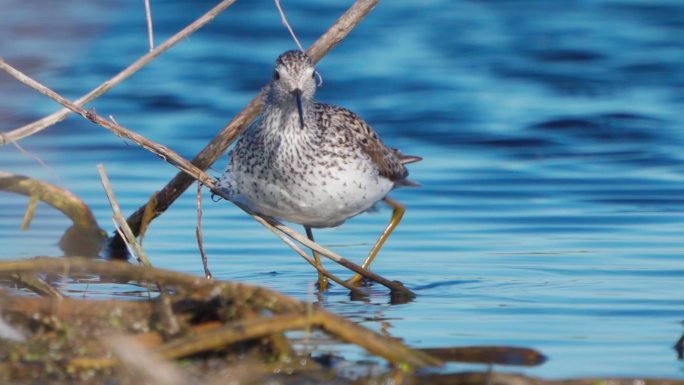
(32, 128)
(283, 18)
(119, 219)
(198, 232)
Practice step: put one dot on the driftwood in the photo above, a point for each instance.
(84, 237)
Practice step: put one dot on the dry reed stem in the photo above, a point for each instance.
(218, 145)
(56, 117)
(198, 232)
(179, 162)
(34, 157)
(119, 220)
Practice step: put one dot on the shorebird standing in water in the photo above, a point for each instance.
(311, 163)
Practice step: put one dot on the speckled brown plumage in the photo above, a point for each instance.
(310, 163)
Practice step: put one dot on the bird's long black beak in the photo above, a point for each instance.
(298, 99)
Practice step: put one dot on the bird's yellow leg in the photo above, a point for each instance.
(397, 212)
(322, 279)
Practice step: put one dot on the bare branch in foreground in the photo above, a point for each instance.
(121, 224)
(198, 232)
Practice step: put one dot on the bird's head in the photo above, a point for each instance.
(294, 80)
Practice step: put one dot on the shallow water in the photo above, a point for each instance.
(551, 212)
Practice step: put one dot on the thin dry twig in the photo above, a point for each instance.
(32, 128)
(119, 220)
(32, 156)
(150, 28)
(287, 25)
(198, 232)
(205, 158)
(162, 151)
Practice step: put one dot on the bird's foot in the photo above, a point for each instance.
(359, 280)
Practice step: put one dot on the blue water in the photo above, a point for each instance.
(552, 209)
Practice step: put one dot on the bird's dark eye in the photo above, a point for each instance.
(313, 75)
(276, 75)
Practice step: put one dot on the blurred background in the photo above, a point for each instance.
(551, 212)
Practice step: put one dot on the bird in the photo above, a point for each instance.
(311, 163)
